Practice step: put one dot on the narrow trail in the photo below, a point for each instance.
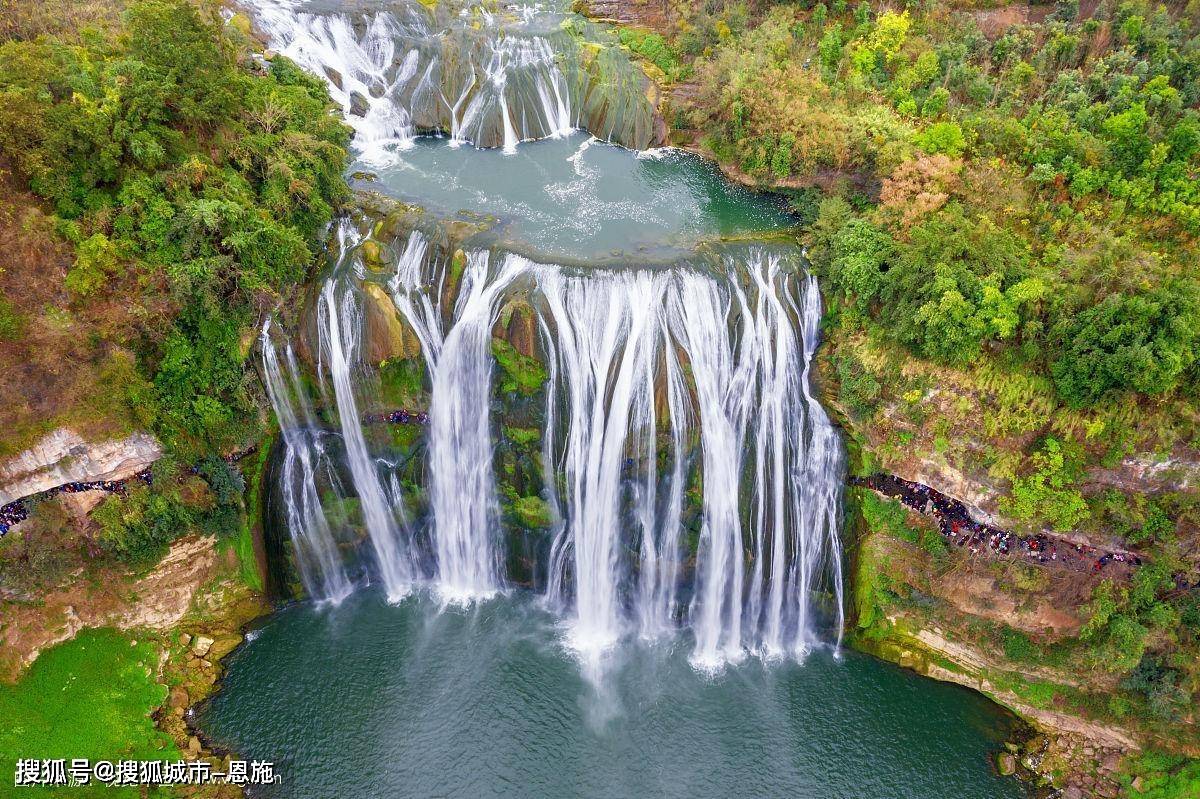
(960, 530)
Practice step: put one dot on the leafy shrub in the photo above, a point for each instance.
(1143, 342)
(1048, 492)
(137, 528)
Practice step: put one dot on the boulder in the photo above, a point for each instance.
(359, 105)
(522, 330)
(80, 504)
(178, 698)
(386, 335)
(223, 646)
(201, 644)
(1006, 764)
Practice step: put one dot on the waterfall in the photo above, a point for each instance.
(340, 326)
(613, 339)
(357, 62)
(693, 473)
(321, 570)
(461, 481)
(608, 335)
(492, 80)
(406, 69)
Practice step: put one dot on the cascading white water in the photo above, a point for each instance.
(359, 66)
(612, 338)
(608, 333)
(664, 385)
(461, 482)
(339, 325)
(392, 71)
(321, 570)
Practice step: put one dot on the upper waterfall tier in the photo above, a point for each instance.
(493, 79)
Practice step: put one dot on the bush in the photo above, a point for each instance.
(137, 528)
(1145, 342)
(1019, 647)
(942, 138)
(1048, 492)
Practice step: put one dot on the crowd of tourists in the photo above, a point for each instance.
(402, 416)
(17, 511)
(959, 529)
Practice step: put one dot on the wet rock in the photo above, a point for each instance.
(201, 644)
(522, 330)
(359, 105)
(1006, 764)
(532, 512)
(458, 262)
(334, 76)
(373, 255)
(386, 335)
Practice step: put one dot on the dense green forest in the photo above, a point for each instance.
(166, 187)
(192, 184)
(1038, 198)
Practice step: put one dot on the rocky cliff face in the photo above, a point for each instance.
(64, 457)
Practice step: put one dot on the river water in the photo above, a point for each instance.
(371, 700)
(677, 627)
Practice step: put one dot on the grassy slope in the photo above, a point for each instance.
(90, 697)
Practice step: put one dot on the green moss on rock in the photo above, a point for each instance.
(519, 373)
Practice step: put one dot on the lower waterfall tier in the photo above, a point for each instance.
(640, 444)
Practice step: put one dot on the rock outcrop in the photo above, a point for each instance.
(387, 334)
(64, 457)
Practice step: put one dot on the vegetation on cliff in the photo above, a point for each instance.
(189, 184)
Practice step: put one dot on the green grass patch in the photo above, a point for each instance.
(89, 697)
(1163, 776)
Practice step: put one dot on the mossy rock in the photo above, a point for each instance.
(387, 336)
(519, 373)
(223, 646)
(241, 23)
(372, 255)
(402, 383)
(523, 436)
(531, 512)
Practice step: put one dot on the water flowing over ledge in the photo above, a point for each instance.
(488, 78)
(688, 473)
